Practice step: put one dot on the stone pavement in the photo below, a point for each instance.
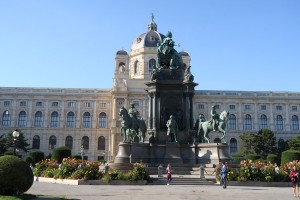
(159, 192)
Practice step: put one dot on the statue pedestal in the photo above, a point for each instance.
(172, 153)
(123, 155)
(212, 153)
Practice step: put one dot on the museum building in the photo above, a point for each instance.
(88, 122)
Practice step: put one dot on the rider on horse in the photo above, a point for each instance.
(214, 118)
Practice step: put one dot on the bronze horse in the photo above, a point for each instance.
(127, 130)
(206, 127)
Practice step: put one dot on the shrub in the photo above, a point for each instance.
(36, 156)
(16, 176)
(60, 153)
(272, 158)
(29, 160)
(289, 156)
(8, 153)
(252, 157)
(77, 157)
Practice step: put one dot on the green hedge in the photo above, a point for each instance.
(60, 153)
(253, 157)
(36, 156)
(289, 156)
(273, 158)
(16, 177)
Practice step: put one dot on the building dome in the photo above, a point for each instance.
(183, 53)
(121, 52)
(148, 39)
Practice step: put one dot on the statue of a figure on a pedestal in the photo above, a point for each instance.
(172, 131)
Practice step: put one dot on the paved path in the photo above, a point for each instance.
(160, 192)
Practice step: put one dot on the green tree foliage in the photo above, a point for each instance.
(60, 153)
(261, 143)
(294, 143)
(2, 144)
(21, 143)
(282, 146)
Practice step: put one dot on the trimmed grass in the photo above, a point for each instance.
(31, 197)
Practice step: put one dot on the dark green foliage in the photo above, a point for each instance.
(9, 153)
(261, 143)
(77, 157)
(16, 176)
(253, 157)
(294, 143)
(60, 153)
(21, 143)
(36, 156)
(2, 144)
(273, 158)
(29, 160)
(237, 158)
(289, 156)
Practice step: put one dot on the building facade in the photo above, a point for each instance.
(87, 120)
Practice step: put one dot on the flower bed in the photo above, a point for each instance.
(259, 171)
(73, 169)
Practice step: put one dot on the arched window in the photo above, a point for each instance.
(233, 145)
(217, 140)
(85, 142)
(232, 122)
(6, 118)
(52, 142)
(247, 122)
(71, 120)
(69, 142)
(263, 122)
(279, 122)
(136, 67)
(121, 67)
(101, 143)
(38, 119)
(22, 119)
(54, 119)
(87, 120)
(36, 142)
(295, 123)
(102, 120)
(152, 64)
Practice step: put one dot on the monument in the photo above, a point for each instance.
(173, 137)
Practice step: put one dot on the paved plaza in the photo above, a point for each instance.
(160, 192)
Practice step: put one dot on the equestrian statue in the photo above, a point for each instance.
(216, 123)
(132, 126)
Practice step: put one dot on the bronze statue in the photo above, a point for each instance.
(132, 125)
(168, 57)
(214, 118)
(172, 129)
(188, 76)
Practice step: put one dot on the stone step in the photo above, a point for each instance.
(182, 181)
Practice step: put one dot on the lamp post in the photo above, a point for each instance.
(81, 152)
(15, 134)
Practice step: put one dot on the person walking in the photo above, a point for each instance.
(168, 176)
(294, 175)
(224, 175)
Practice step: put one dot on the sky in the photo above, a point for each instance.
(237, 45)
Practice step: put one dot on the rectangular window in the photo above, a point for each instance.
(232, 107)
(6, 103)
(294, 108)
(87, 104)
(54, 104)
(200, 106)
(278, 107)
(263, 107)
(39, 104)
(23, 103)
(136, 103)
(247, 107)
(71, 104)
(102, 105)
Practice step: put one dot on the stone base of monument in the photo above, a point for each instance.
(204, 153)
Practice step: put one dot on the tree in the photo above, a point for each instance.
(2, 144)
(21, 143)
(265, 143)
(282, 146)
(294, 143)
(261, 143)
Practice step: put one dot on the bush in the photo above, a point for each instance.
(29, 160)
(16, 176)
(8, 153)
(289, 156)
(272, 158)
(77, 157)
(60, 153)
(252, 157)
(36, 156)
